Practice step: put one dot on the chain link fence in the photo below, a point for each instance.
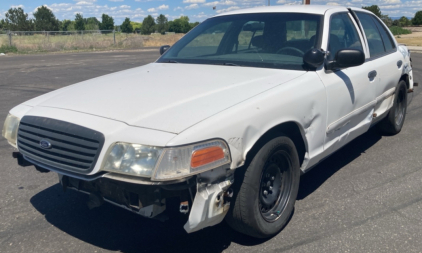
(51, 41)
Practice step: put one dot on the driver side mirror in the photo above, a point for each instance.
(314, 58)
(164, 49)
(346, 58)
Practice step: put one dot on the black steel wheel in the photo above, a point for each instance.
(265, 192)
(276, 184)
(393, 122)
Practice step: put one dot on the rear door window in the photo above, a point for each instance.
(389, 44)
(373, 36)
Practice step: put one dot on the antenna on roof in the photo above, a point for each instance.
(269, 3)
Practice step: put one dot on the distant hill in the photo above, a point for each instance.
(394, 18)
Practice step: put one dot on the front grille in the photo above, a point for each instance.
(73, 147)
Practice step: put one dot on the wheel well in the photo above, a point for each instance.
(405, 78)
(291, 130)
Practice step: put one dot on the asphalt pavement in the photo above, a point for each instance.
(367, 197)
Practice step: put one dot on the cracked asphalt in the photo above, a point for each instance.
(367, 197)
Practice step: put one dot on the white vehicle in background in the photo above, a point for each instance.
(226, 120)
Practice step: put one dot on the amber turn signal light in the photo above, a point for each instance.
(206, 155)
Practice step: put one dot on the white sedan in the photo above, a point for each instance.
(226, 120)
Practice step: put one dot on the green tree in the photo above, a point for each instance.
(148, 25)
(107, 22)
(184, 23)
(136, 26)
(387, 20)
(417, 20)
(126, 26)
(192, 25)
(79, 22)
(65, 25)
(17, 20)
(2, 25)
(91, 23)
(45, 20)
(162, 24)
(174, 26)
(180, 25)
(374, 9)
(404, 21)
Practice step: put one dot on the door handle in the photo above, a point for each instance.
(372, 74)
(399, 63)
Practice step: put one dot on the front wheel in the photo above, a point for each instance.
(393, 122)
(266, 192)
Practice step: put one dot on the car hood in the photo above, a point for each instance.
(165, 96)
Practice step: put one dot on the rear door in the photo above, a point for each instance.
(350, 92)
(384, 57)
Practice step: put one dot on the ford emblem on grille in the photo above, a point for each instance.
(45, 144)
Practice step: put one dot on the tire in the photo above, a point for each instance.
(260, 215)
(393, 122)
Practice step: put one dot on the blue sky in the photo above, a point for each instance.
(197, 10)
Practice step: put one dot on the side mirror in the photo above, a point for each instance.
(314, 58)
(346, 58)
(163, 49)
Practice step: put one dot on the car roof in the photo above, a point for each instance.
(309, 9)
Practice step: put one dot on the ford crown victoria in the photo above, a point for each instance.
(226, 120)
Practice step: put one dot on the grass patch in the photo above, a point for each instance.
(8, 49)
(396, 30)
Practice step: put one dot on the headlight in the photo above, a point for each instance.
(166, 163)
(183, 161)
(132, 159)
(10, 129)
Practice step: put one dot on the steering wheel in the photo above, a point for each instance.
(295, 51)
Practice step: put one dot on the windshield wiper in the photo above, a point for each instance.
(230, 64)
(172, 61)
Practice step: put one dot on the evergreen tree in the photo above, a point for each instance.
(17, 20)
(162, 24)
(107, 22)
(148, 25)
(374, 9)
(417, 20)
(126, 26)
(45, 20)
(79, 22)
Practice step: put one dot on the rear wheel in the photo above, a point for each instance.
(266, 192)
(393, 122)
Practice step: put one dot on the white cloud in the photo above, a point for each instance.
(84, 3)
(392, 1)
(44, 6)
(332, 3)
(283, 1)
(116, 0)
(124, 7)
(200, 15)
(193, 1)
(223, 2)
(178, 8)
(151, 10)
(163, 7)
(191, 7)
(17, 6)
(211, 3)
(228, 9)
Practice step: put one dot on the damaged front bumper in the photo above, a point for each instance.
(205, 197)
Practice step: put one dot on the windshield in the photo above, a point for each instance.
(269, 40)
